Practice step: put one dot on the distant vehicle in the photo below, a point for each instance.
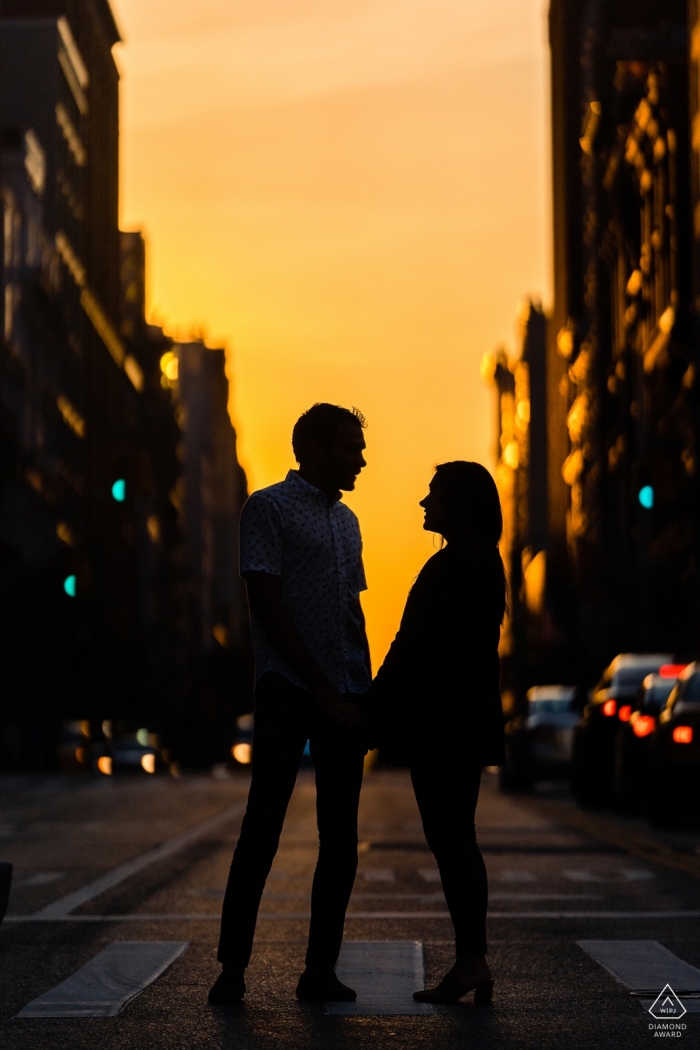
(539, 743)
(593, 759)
(242, 747)
(137, 752)
(632, 746)
(73, 748)
(674, 778)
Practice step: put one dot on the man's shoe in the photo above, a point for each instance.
(5, 883)
(322, 986)
(228, 989)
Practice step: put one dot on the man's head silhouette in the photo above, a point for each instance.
(328, 443)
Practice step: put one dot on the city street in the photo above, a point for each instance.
(160, 849)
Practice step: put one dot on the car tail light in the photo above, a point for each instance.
(643, 725)
(625, 712)
(683, 735)
(610, 708)
(671, 670)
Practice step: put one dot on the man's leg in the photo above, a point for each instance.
(281, 731)
(338, 759)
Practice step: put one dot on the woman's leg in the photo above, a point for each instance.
(447, 791)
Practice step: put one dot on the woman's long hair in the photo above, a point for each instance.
(472, 512)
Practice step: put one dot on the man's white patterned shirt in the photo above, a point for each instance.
(290, 530)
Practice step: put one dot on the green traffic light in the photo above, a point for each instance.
(646, 497)
(70, 586)
(119, 490)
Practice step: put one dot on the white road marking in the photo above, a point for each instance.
(516, 876)
(545, 897)
(581, 875)
(39, 878)
(279, 916)
(385, 974)
(626, 875)
(425, 898)
(646, 966)
(65, 905)
(108, 981)
(379, 875)
(429, 874)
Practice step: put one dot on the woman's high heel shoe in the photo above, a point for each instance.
(451, 990)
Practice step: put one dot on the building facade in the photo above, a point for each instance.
(60, 82)
(109, 612)
(519, 382)
(190, 492)
(622, 493)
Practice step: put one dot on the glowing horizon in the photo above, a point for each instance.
(352, 197)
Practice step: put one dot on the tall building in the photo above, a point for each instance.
(214, 490)
(208, 497)
(109, 609)
(59, 89)
(623, 427)
(623, 506)
(190, 492)
(521, 475)
(163, 621)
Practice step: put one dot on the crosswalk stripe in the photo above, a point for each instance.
(385, 974)
(105, 984)
(216, 917)
(646, 966)
(379, 875)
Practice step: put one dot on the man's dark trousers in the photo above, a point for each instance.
(285, 718)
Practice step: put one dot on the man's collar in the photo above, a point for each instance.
(309, 491)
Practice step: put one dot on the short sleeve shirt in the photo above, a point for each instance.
(290, 530)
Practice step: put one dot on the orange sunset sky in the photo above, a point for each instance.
(353, 197)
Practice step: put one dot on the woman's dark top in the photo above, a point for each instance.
(440, 679)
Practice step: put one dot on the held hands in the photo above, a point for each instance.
(342, 714)
(345, 715)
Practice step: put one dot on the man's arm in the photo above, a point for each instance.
(265, 600)
(365, 642)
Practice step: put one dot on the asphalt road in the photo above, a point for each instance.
(557, 876)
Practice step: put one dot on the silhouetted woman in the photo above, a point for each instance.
(435, 701)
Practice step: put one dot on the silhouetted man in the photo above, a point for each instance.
(301, 558)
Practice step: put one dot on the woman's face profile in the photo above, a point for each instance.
(433, 521)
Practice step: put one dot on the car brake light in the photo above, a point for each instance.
(624, 713)
(643, 725)
(671, 670)
(609, 708)
(683, 735)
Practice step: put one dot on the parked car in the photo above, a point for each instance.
(632, 745)
(674, 779)
(124, 752)
(73, 748)
(539, 743)
(593, 758)
(242, 747)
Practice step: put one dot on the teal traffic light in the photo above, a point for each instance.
(646, 497)
(70, 585)
(119, 490)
